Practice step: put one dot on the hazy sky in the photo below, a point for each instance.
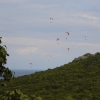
(30, 35)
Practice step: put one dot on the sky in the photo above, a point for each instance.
(30, 35)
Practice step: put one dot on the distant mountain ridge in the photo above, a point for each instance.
(77, 80)
(85, 56)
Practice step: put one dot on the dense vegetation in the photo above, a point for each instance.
(7, 75)
(77, 80)
(4, 72)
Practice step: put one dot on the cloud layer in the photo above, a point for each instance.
(27, 30)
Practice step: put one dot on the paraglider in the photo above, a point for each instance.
(51, 20)
(67, 33)
(48, 56)
(57, 39)
(85, 37)
(68, 49)
(31, 64)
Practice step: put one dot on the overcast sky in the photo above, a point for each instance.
(30, 35)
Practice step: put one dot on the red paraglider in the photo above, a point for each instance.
(67, 33)
(68, 49)
(30, 63)
(57, 39)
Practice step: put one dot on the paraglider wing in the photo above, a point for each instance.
(57, 39)
(48, 55)
(30, 63)
(68, 49)
(51, 18)
(85, 37)
(67, 33)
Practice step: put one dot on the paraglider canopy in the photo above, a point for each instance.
(30, 63)
(51, 18)
(85, 37)
(48, 56)
(57, 39)
(67, 33)
(68, 48)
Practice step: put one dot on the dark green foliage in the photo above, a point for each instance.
(17, 95)
(3, 84)
(87, 54)
(14, 95)
(77, 80)
(4, 72)
(7, 74)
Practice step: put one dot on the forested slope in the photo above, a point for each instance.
(77, 80)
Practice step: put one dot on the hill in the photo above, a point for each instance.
(77, 80)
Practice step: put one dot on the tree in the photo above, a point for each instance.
(14, 95)
(69, 98)
(6, 73)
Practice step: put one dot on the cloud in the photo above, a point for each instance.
(43, 46)
(27, 50)
(33, 16)
(26, 29)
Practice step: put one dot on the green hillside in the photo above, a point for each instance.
(77, 80)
